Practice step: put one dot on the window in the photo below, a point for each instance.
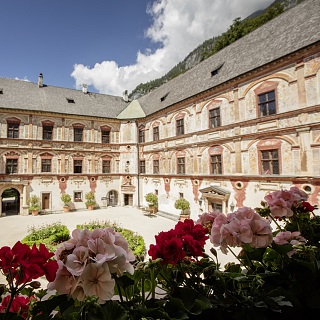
(180, 195)
(45, 165)
(155, 133)
(77, 196)
(180, 127)
(78, 133)
(214, 118)
(13, 130)
(47, 132)
(142, 166)
(156, 166)
(11, 166)
(267, 103)
(270, 161)
(106, 166)
(216, 164)
(181, 166)
(105, 136)
(141, 135)
(77, 166)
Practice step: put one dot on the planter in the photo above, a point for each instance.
(34, 212)
(66, 209)
(90, 206)
(183, 217)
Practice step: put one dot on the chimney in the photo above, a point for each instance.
(125, 96)
(84, 88)
(40, 80)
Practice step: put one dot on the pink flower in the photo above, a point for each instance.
(206, 219)
(76, 262)
(97, 281)
(287, 237)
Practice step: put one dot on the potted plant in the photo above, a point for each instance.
(183, 205)
(66, 199)
(34, 205)
(90, 200)
(152, 200)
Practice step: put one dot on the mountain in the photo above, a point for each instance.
(238, 29)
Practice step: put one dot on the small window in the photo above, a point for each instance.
(77, 166)
(106, 166)
(1, 91)
(70, 100)
(77, 134)
(142, 166)
(141, 135)
(270, 162)
(267, 103)
(77, 196)
(155, 133)
(47, 132)
(11, 166)
(181, 195)
(105, 136)
(13, 130)
(46, 165)
(156, 166)
(214, 118)
(181, 169)
(216, 70)
(180, 127)
(164, 97)
(216, 164)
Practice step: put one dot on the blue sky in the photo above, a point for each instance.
(110, 45)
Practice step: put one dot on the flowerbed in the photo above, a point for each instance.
(276, 275)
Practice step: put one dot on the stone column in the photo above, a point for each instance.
(238, 160)
(24, 208)
(305, 152)
(301, 85)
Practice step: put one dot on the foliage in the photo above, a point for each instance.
(90, 199)
(276, 274)
(66, 199)
(182, 204)
(34, 203)
(51, 235)
(152, 199)
(135, 241)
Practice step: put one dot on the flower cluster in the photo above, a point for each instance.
(243, 226)
(185, 240)
(22, 263)
(87, 262)
(20, 305)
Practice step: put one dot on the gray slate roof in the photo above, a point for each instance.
(291, 31)
(25, 95)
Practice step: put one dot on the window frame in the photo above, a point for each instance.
(180, 127)
(156, 166)
(181, 165)
(13, 130)
(142, 166)
(142, 135)
(105, 136)
(267, 103)
(12, 163)
(156, 135)
(46, 163)
(77, 163)
(75, 196)
(45, 132)
(214, 117)
(215, 164)
(76, 134)
(270, 160)
(106, 164)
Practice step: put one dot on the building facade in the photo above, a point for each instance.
(240, 124)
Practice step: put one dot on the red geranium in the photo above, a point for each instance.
(20, 305)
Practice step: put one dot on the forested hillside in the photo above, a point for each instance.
(238, 29)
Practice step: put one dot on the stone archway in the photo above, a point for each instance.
(10, 202)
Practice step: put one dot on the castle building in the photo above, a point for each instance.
(242, 123)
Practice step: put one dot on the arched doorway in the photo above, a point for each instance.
(112, 198)
(10, 202)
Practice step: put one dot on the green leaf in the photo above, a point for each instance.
(111, 310)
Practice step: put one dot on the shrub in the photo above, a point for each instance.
(51, 235)
(182, 204)
(135, 241)
(65, 198)
(152, 198)
(34, 203)
(90, 199)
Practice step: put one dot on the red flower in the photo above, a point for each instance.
(172, 251)
(193, 247)
(20, 305)
(307, 206)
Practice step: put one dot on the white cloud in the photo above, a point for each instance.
(24, 79)
(179, 26)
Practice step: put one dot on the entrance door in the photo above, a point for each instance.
(112, 198)
(10, 202)
(128, 199)
(45, 201)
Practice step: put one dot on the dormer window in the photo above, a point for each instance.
(70, 100)
(164, 97)
(216, 70)
(1, 91)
